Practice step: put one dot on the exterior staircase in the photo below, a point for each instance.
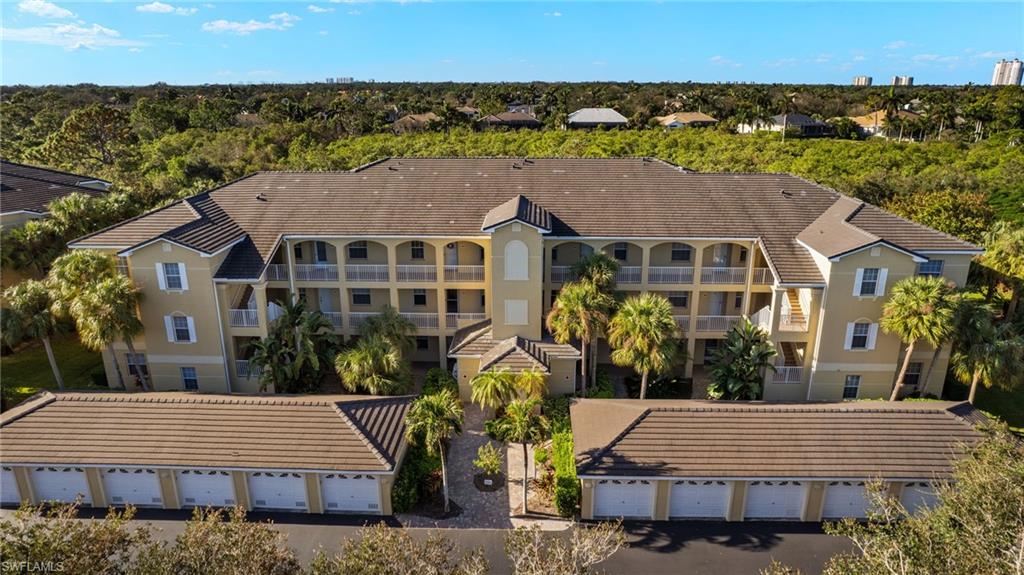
(796, 312)
(790, 355)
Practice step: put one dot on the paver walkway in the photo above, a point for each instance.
(480, 510)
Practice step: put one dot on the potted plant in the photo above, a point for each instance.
(488, 461)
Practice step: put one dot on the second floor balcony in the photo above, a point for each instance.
(366, 273)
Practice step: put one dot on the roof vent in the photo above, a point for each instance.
(392, 169)
(786, 194)
(516, 166)
(261, 197)
(527, 161)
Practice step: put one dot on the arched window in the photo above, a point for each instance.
(517, 260)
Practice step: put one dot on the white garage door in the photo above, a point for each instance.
(359, 493)
(624, 498)
(917, 495)
(845, 499)
(140, 487)
(9, 487)
(277, 490)
(774, 500)
(699, 498)
(60, 484)
(203, 488)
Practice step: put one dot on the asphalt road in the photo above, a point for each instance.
(690, 548)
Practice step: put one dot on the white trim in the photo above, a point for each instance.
(290, 237)
(657, 238)
(169, 326)
(883, 275)
(130, 250)
(223, 346)
(191, 329)
(183, 274)
(217, 468)
(490, 229)
(34, 213)
(930, 478)
(952, 252)
(81, 246)
(161, 279)
(798, 285)
(186, 359)
(913, 255)
(855, 367)
(872, 336)
(858, 279)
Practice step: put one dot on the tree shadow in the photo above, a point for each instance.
(671, 536)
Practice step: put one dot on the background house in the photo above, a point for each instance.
(686, 120)
(801, 124)
(585, 118)
(513, 120)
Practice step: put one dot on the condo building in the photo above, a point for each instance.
(474, 252)
(862, 80)
(1007, 73)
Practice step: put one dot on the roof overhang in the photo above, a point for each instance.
(129, 251)
(490, 229)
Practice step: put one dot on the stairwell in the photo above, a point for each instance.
(796, 312)
(789, 354)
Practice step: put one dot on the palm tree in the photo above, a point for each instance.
(580, 312)
(392, 326)
(642, 336)
(533, 383)
(787, 103)
(599, 270)
(108, 311)
(374, 364)
(28, 315)
(1004, 254)
(522, 424)
(493, 388)
(993, 354)
(433, 420)
(740, 363)
(920, 308)
(72, 273)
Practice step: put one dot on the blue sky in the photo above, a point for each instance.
(178, 42)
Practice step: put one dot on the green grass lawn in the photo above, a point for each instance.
(1008, 404)
(27, 371)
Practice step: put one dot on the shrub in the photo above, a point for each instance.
(668, 387)
(437, 380)
(556, 409)
(603, 388)
(415, 478)
(567, 487)
(488, 459)
(541, 456)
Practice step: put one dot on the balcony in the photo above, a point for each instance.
(717, 322)
(243, 318)
(788, 374)
(723, 275)
(670, 275)
(763, 276)
(562, 274)
(792, 322)
(244, 369)
(628, 275)
(415, 273)
(356, 318)
(683, 321)
(278, 272)
(422, 320)
(366, 272)
(463, 273)
(452, 320)
(335, 317)
(316, 272)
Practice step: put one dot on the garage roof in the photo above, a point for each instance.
(847, 440)
(324, 432)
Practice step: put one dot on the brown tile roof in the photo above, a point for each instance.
(336, 433)
(611, 198)
(31, 189)
(685, 118)
(878, 117)
(511, 119)
(846, 440)
(519, 208)
(514, 353)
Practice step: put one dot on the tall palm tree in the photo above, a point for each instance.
(392, 326)
(920, 308)
(993, 354)
(28, 315)
(108, 311)
(533, 383)
(580, 312)
(599, 270)
(373, 364)
(72, 273)
(522, 424)
(432, 421)
(642, 336)
(493, 388)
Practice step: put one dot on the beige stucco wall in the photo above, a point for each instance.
(241, 489)
(96, 490)
(587, 498)
(662, 492)
(529, 290)
(562, 380)
(168, 488)
(814, 501)
(25, 491)
(313, 499)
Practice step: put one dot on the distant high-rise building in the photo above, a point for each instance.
(1008, 73)
(330, 80)
(902, 80)
(862, 80)
(344, 80)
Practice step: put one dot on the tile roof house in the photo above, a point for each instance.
(26, 191)
(414, 122)
(594, 118)
(796, 122)
(875, 123)
(686, 120)
(512, 120)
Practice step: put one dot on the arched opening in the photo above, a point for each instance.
(416, 261)
(517, 261)
(366, 260)
(671, 263)
(725, 263)
(564, 256)
(629, 256)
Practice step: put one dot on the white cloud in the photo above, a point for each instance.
(354, 12)
(44, 9)
(157, 7)
(280, 21)
(318, 9)
(324, 32)
(996, 54)
(134, 50)
(553, 14)
(68, 36)
(822, 58)
(447, 61)
(896, 45)
(937, 58)
(723, 61)
(782, 63)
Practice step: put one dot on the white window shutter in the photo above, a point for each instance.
(872, 335)
(880, 286)
(169, 324)
(184, 277)
(848, 341)
(191, 329)
(160, 280)
(857, 281)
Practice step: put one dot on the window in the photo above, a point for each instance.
(679, 298)
(738, 301)
(517, 261)
(930, 268)
(181, 331)
(913, 375)
(681, 252)
(621, 251)
(416, 250)
(743, 255)
(171, 276)
(137, 364)
(358, 251)
(298, 251)
(554, 255)
(122, 265)
(189, 379)
(360, 296)
(860, 336)
(321, 252)
(419, 297)
(422, 343)
(868, 282)
(851, 387)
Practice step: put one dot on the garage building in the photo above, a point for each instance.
(729, 460)
(170, 450)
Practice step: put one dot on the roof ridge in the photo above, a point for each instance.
(84, 177)
(53, 183)
(358, 430)
(615, 440)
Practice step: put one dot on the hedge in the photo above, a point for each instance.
(567, 486)
(413, 481)
(437, 380)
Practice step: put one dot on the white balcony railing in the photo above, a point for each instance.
(763, 318)
(763, 276)
(244, 369)
(416, 273)
(277, 272)
(562, 274)
(670, 275)
(452, 320)
(356, 318)
(628, 275)
(788, 374)
(243, 318)
(791, 322)
(335, 317)
(463, 273)
(422, 320)
(316, 272)
(366, 272)
(683, 321)
(723, 275)
(716, 322)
